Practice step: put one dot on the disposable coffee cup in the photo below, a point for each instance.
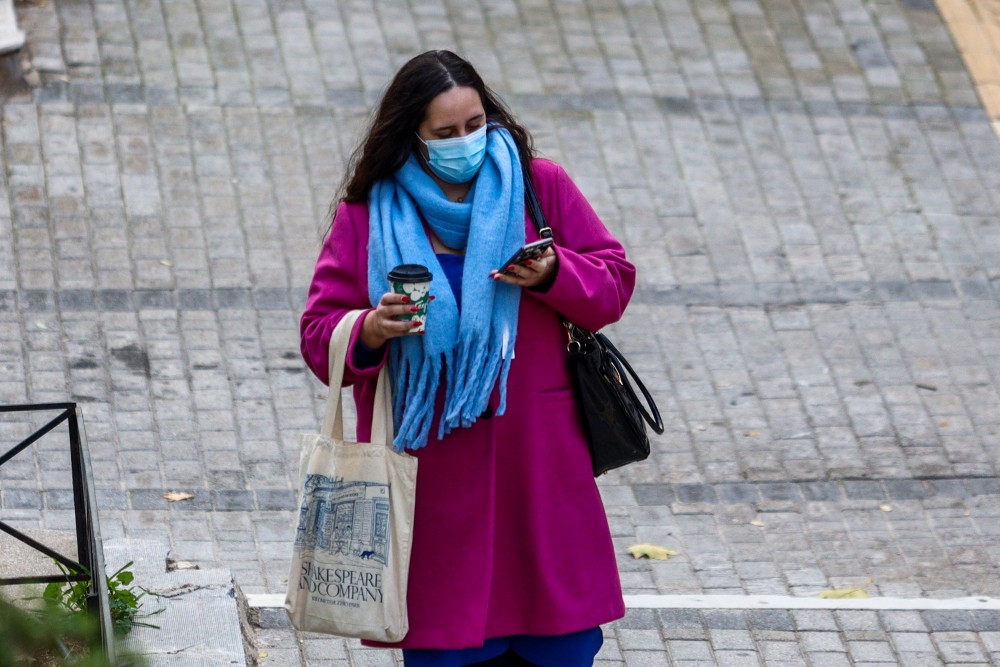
(413, 280)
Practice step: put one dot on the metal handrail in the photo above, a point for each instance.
(89, 565)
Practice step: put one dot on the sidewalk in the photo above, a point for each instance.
(811, 193)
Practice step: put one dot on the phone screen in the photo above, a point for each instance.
(532, 250)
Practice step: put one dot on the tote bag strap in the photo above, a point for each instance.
(333, 419)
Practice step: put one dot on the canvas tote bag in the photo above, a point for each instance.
(352, 541)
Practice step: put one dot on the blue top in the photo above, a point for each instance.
(365, 357)
(452, 266)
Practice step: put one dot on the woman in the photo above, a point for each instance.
(512, 559)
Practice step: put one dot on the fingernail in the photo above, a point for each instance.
(528, 263)
(414, 309)
(415, 324)
(510, 268)
(406, 299)
(433, 297)
(496, 276)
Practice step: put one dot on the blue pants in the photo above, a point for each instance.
(573, 650)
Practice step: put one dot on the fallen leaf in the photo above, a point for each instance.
(174, 565)
(262, 654)
(174, 496)
(885, 508)
(700, 427)
(757, 522)
(843, 593)
(943, 423)
(166, 262)
(750, 434)
(651, 551)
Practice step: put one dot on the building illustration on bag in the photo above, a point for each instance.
(344, 518)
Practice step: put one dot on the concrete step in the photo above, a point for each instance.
(11, 37)
(203, 621)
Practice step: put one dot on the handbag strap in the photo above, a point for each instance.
(333, 418)
(652, 415)
(535, 208)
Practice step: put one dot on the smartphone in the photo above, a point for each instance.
(531, 250)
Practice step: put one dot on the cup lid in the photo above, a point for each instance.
(410, 273)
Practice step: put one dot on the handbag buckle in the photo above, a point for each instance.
(573, 346)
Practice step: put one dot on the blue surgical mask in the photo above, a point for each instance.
(458, 159)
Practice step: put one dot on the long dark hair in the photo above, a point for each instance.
(391, 136)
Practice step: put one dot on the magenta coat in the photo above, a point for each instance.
(510, 535)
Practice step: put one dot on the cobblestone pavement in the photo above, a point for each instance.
(810, 189)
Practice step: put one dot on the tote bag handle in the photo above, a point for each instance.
(333, 421)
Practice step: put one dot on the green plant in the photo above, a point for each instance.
(54, 637)
(123, 598)
(49, 636)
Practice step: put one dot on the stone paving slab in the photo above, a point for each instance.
(809, 189)
(728, 638)
(191, 616)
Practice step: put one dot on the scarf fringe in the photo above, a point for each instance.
(504, 372)
(480, 400)
(472, 395)
(468, 398)
(420, 384)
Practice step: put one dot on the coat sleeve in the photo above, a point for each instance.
(594, 281)
(339, 285)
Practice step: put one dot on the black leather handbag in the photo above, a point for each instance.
(614, 418)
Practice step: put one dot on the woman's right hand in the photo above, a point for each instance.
(381, 324)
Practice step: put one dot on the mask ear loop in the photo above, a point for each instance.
(424, 159)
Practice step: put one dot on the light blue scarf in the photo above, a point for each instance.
(474, 348)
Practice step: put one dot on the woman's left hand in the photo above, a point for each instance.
(532, 273)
